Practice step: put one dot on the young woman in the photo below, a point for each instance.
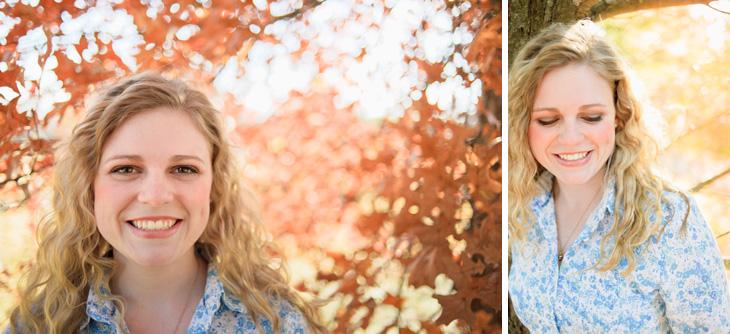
(599, 244)
(151, 231)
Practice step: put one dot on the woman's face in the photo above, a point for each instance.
(571, 131)
(152, 190)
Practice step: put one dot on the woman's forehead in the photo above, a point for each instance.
(156, 131)
(575, 85)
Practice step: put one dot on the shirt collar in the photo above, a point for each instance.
(215, 292)
(98, 308)
(103, 310)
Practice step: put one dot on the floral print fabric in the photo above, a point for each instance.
(218, 312)
(679, 284)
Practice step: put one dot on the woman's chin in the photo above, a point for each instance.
(152, 258)
(574, 179)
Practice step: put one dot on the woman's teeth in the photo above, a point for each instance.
(572, 157)
(153, 225)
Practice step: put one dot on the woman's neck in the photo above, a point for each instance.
(578, 195)
(152, 286)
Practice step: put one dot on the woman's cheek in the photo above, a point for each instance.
(608, 133)
(199, 197)
(537, 139)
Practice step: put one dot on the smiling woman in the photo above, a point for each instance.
(598, 243)
(151, 231)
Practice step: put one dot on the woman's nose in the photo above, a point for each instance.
(570, 133)
(155, 189)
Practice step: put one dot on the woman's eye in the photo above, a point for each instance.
(186, 170)
(595, 119)
(546, 122)
(123, 170)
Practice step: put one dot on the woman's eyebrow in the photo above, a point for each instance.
(592, 105)
(583, 107)
(133, 157)
(124, 157)
(180, 157)
(550, 109)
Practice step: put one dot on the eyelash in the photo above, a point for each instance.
(118, 170)
(587, 119)
(546, 123)
(192, 170)
(132, 169)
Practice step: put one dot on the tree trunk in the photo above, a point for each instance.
(528, 17)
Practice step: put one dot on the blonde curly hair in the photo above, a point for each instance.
(73, 257)
(639, 190)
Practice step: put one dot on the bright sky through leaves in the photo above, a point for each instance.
(364, 57)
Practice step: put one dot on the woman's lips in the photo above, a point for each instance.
(573, 159)
(154, 227)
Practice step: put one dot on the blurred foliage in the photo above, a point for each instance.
(682, 69)
(370, 129)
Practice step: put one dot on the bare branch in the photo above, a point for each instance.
(609, 8)
(722, 235)
(584, 7)
(717, 9)
(307, 6)
(709, 181)
(5, 206)
(712, 120)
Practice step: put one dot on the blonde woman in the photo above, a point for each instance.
(599, 244)
(151, 231)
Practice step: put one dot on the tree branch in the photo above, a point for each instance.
(718, 9)
(707, 182)
(584, 7)
(5, 206)
(711, 121)
(609, 8)
(306, 6)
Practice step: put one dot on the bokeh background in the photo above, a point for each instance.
(680, 58)
(370, 130)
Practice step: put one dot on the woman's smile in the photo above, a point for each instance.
(572, 156)
(154, 227)
(573, 159)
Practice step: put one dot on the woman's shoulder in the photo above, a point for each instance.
(229, 309)
(676, 200)
(680, 211)
(292, 319)
(683, 224)
(234, 314)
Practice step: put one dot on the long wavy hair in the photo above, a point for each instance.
(639, 190)
(72, 255)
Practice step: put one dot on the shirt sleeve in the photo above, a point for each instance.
(694, 285)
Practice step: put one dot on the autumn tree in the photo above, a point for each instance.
(369, 129)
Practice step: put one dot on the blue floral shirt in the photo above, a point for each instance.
(219, 311)
(679, 284)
